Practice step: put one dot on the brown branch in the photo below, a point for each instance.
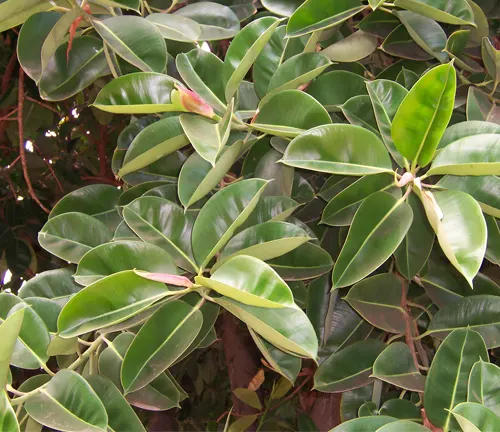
(102, 152)
(9, 71)
(408, 323)
(49, 166)
(22, 150)
(47, 106)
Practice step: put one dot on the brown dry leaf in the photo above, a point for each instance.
(257, 380)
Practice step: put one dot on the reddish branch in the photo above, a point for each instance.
(22, 150)
(409, 323)
(46, 106)
(49, 166)
(102, 152)
(4, 86)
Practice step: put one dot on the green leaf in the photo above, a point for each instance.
(224, 212)
(378, 23)
(356, 152)
(215, 20)
(491, 59)
(386, 97)
(153, 143)
(407, 78)
(402, 409)
(136, 40)
(249, 397)
(281, 176)
(478, 312)
(14, 13)
(8, 420)
(424, 114)
(377, 229)
(62, 78)
(283, 363)
(395, 365)
(244, 50)
(342, 207)
(458, 13)
(108, 301)
(178, 28)
(265, 241)
(115, 257)
(467, 129)
(288, 329)
(359, 112)
(294, 72)
(47, 310)
(473, 416)
(203, 72)
(374, 423)
(57, 285)
(315, 15)
(164, 224)
(403, 425)
(413, 252)
(446, 383)
(96, 200)
(281, 7)
(137, 93)
(270, 209)
(426, 32)
(290, 112)
(242, 423)
(335, 88)
(305, 262)
(474, 155)
(479, 106)
(68, 403)
(463, 240)
(348, 368)
(353, 48)
(250, 281)
(71, 235)
(399, 43)
(492, 248)
(31, 38)
(482, 388)
(9, 332)
(378, 300)
(160, 341)
(481, 188)
(120, 415)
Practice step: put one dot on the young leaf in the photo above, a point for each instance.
(482, 388)
(9, 332)
(8, 420)
(470, 414)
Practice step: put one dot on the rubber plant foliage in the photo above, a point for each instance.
(326, 172)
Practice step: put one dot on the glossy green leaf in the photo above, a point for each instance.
(8, 420)
(120, 415)
(407, 78)
(283, 363)
(289, 113)
(249, 397)
(399, 43)
(403, 409)
(395, 365)
(491, 59)
(482, 388)
(481, 188)
(137, 93)
(335, 88)
(474, 155)
(57, 285)
(352, 400)
(463, 240)
(315, 15)
(97, 200)
(30, 41)
(492, 248)
(153, 143)
(250, 281)
(446, 383)
(467, 129)
(9, 332)
(374, 423)
(265, 241)
(288, 329)
(295, 72)
(475, 417)
(359, 112)
(108, 301)
(161, 340)
(163, 224)
(203, 72)
(413, 252)
(215, 20)
(282, 7)
(377, 229)
(386, 97)
(139, 190)
(458, 13)
(178, 28)
(68, 403)
(63, 79)
(270, 209)
(313, 150)
(378, 23)
(281, 176)
(224, 212)
(479, 312)
(353, 48)
(244, 50)
(378, 300)
(348, 368)
(426, 32)
(423, 115)
(136, 40)
(403, 425)
(47, 310)
(480, 108)
(305, 262)
(71, 235)
(115, 257)
(14, 13)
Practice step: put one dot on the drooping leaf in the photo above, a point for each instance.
(395, 365)
(377, 229)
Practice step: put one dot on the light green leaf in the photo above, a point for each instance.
(374, 423)
(480, 108)
(459, 12)
(467, 129)
(482, 388)
(8, 420)
(14, 12)
(491, 59)
(353, 48)
(399, 43)
(9, 332)
(473, 416)
(249, 397)
(359, 112)
(493, 246)
(176, 28)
